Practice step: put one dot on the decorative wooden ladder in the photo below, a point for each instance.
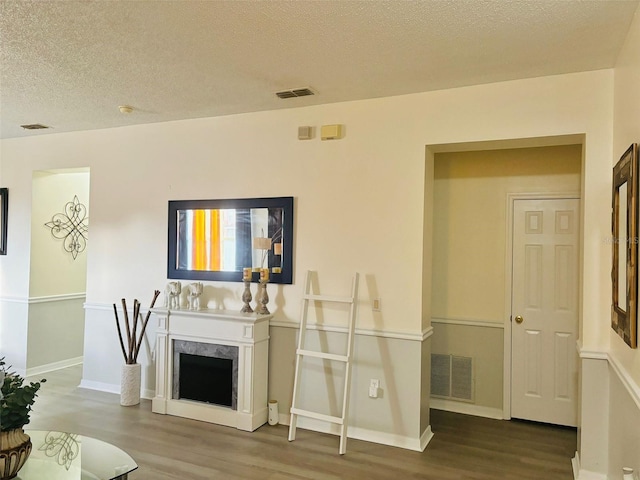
(346, 359)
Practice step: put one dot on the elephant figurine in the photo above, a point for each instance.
(194, 290)
(172, 295)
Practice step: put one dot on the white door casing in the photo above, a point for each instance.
(545, 279)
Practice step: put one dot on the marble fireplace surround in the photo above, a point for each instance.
(248, 332)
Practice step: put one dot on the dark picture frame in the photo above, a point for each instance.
(624, 230)
(280, 214)
(4, 212)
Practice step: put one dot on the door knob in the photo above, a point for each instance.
(519, 319)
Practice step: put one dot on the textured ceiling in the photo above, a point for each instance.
(69, 64)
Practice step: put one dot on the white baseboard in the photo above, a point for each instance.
(112, 388)
(575, 465)
(364, 434)
(50, 367)
(586, 475)
(466, 408)
(100, 386)
(425, 438)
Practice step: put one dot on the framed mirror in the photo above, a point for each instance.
(217, 239)
(624, 229)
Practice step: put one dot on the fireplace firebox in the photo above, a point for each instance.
(205, 372)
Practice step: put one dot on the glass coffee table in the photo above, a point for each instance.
(66, 456)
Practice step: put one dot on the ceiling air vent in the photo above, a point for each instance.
(298, 92)
(34, 126)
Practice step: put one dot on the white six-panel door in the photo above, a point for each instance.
(545, 277)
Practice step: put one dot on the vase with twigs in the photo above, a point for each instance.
(131, 370)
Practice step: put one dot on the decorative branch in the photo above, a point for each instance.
(134, 341)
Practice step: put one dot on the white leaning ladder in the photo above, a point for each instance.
(346, 359)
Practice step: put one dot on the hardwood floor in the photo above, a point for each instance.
(171, 448)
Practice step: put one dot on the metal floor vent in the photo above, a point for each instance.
(298, 92)
(34, 126)
(452, 377)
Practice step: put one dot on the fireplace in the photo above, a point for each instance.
(205, 372)
(212, 365)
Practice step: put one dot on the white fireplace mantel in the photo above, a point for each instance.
(247, 331)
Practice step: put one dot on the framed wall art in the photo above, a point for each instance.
(220, 239)
(4, 211)
(624, 229)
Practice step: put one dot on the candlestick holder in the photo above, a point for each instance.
(246, 297)
(263, 298)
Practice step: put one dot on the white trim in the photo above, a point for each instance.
(14, 300)
(629, 383)
(508, 271)
(364, 434)
(109, 307)
(465, 408)
(426, 333)
(58, 298)
(591, 354)
(420, 337)
(467, 322)
(112, 388)
(632, 387)
(100, 386)
(50, 367)
(425, 438)
(587, 475)
(45, 298)
(575, 465)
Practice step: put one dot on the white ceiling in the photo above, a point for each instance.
(70, 64)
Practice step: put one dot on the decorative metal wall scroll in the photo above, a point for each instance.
(71, 227)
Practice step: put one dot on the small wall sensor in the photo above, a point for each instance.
(331, 132)
(305, 133)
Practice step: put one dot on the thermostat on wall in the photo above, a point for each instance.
(331, 132)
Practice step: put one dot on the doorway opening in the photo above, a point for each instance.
(58, 270)
(471, 277)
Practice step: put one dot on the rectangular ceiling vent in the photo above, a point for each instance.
(34, 126)
(298, 92)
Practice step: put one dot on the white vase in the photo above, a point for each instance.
(130, 385)
(273, 412)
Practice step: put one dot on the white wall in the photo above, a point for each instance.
(362, 203)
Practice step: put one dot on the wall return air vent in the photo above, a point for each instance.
(297, 92)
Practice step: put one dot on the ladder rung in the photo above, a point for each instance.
(317, 416)
(324, 355)
(327, 298)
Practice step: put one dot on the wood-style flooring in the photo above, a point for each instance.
(171, 448)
